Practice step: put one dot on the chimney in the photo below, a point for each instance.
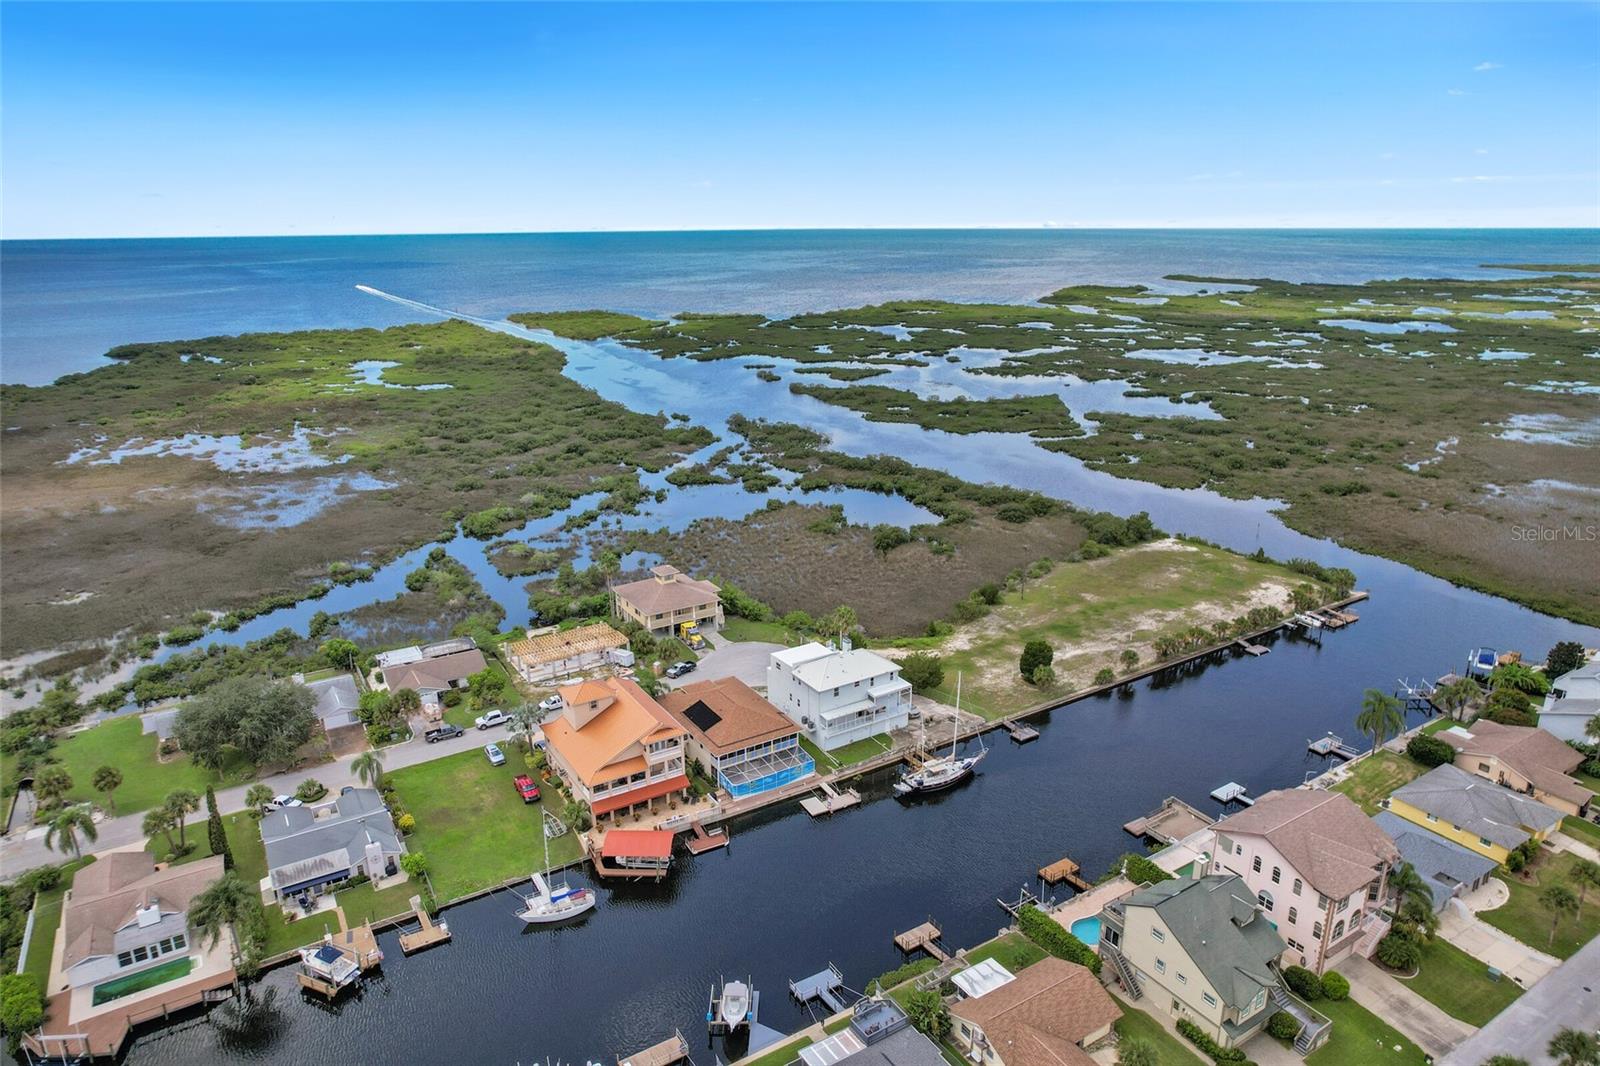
(148, 915)
(844, 644)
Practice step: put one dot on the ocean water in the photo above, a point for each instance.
(63, 304)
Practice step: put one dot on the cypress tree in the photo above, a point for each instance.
(215, 830)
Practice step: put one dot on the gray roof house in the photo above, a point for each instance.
(1495, 814)
(337, 700)
(311, 849)
(1447, 868)
(1574, 699)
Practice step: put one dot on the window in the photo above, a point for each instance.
(125, 959)
(1161, 966)
(1294, 944)
(1323, 901)
(1265, 899)
(1484, 767)
(1182, 980)
(1211, 1001)
(1158, 934)
(1238, 849)
(1294, 915)
(1255, 864)
(140, 954)
(1277, 874)
(1343, 906)
(1432, 817)
(1486, 842)
(1338, 929)
(1316, 930)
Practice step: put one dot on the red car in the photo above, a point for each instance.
(527, 789)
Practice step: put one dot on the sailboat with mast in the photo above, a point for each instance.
(944, 771)
(553, 901)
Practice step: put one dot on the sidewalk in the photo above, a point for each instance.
(1523, 964)
(1430, 1028)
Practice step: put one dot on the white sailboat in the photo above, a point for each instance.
(944, 771)
(553, 902)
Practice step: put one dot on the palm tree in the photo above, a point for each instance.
(159, 820)
(1587, 875)
(1382, 716)
(256, 798)
(1521, 677)
(1574, 1047)
(223, 905)
(182, 802)
(51, 784)
(1560, 902)
(524, 720)
(108, 779)
(368, 767)
(66, 826)
(1457, 695)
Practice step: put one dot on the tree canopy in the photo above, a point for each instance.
(264, 721)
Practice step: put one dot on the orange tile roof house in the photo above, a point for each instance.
(123, 915)
(617, 747)
(1318, 866)
(667, 599)
(746, 744)
(1522, 758)
(1046, 1016)
(547, 654)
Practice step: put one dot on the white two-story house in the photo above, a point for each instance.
(617, 747)
(838, 695)
(1318, 867)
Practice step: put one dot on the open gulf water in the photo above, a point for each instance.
(791, 894)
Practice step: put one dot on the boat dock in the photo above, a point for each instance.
(1064, 869)
(1333, 746)
(428, 932)
(826, 986)
(361, 942)
(1249, 648)
(831, 801)
(637, 854)
(1232, 792)
(699, 841)
(924, 937)
(1169, 823)
(1021, 732)
(671, 1050)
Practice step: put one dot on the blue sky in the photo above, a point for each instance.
(210, 119)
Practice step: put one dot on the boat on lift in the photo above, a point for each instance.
(553, 902)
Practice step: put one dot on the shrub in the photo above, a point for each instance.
(310, 790)
(1035, 653)
(1398, 952)
(1105, 676)
(21, 1003)
(1430, 751)
(414, 863)
(1303, 983)
(1140, 870)
(1283, 1026)
(923, 670)
(1335, 986)
(901, 974)
(928, 1014)
(406, 823)
(1197, 1036)
(1048, 934)
(1044, 676)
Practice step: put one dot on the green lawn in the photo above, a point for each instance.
(46, 920)
(138, 982)
(848, 755)
(783, 1053)
(1170, 1051)
(1375, 777)
(1588, 781)
(1459, 984)
(1525, 919)
(472, 825)
(1581, 829)
(1361, 1038)
(738, 629)
(145, 780)
(1013, 951)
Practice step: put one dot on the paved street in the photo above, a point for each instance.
(746, 660)
(1568, 997)
(1430, 1028)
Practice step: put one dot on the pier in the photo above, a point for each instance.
(1249, 648)
(924, 937)
(672, 1050)
(1232, 792)
(1331, 745)
(700, 841)
(1169, 823)
(361, 942)
(1064, 869)
(428, 932)
(1020, 732)
(637, 854)
(831, 801)
(825, 986)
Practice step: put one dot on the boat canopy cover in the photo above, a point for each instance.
(637, 844)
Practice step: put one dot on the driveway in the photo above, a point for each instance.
(1570, 996)
(1430, 1028)
(1518, 961)
(746, 660)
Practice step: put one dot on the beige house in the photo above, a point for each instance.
(1524, 759)
(668, 599)
(1045, 1016)
(546, 654)
(1317, 867)
(1202, 950)
(617, 747)
(123, 915)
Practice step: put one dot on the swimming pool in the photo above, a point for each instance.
(1087, 930)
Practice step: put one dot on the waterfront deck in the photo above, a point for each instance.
(825, 986)
(924, 937)
(361, 942)
(699, 841)
(671, 1050)
(1332, 745)
(102, 1035)
(1232, 792)
(831, 801)
(1249, 648)
(428, 932)
(1020, 732)
(1064, 869)
(1169, 823)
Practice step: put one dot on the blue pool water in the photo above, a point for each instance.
(1087, 930)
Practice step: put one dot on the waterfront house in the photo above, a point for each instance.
(1525, 759)
(549, 653)
(434, 675)
(744, 743)
(313, 850)
(337, 700)
(1046, 1015)
(838, 695)
(617, 747)
(878, 1034)
(1203, 950)
(1480, 815)
(123, 916)
(1573, 700)
(666, 600)
(1316, 865)
(1448, 869)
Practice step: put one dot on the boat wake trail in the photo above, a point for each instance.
(500, 325)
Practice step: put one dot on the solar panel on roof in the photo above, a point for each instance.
(703, 717)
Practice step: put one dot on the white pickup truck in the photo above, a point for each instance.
(493, 718)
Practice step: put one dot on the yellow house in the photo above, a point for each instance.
(1475, 813)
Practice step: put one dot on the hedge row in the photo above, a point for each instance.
(1048, 934)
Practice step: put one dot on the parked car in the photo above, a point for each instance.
(550, 703)
(495, 756)
(443, 732)
(526, 788)
(278, 803)
(492, 718)
(677, 670)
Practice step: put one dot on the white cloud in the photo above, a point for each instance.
(1457, 92)
(1480, 151)
(1487, 64)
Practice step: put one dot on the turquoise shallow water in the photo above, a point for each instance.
(64, 303)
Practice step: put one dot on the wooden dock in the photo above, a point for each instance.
(1232, 792)
(1021, 732)
(700, 841)
(1331, 745)
(428, 932)
(360, 942)
(671, 1050)
(1169, 823)
(924, 937)
(831, 801)
(825, 986)
(1064, 869)
(1249, 648)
